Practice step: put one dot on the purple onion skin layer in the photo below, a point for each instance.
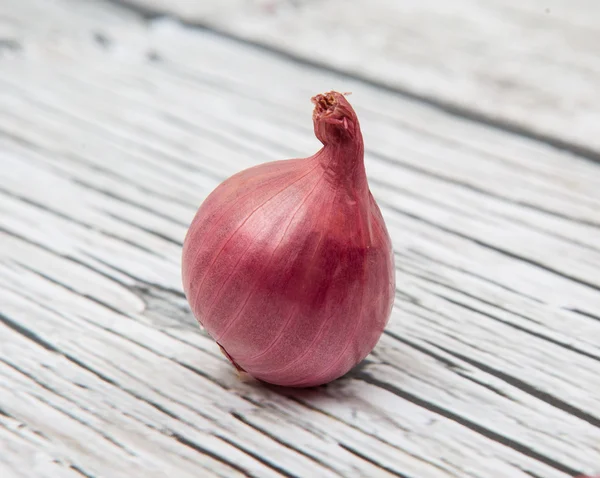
(289, 265)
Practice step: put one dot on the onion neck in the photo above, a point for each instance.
(336, 126)
(342, 157)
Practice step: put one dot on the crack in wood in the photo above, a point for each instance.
(244, 420)
(441, 262)
(78, 222)
(167, 432)
(28, 334)
(498, 319)
(126, 200)
(121, 179)
(487, 245)
(303, 403)
(525, 387)
(584, 313)
(166, 309)
(481, 383)
(39, 382)
(70, 289)
(66, 257)
(148, 230)
(497, 437)
(451, 365)
(84, 423)
(530, 473)
(222, 139)
(81, 471)
(268, 463)
(175, 292)
(357, 453)
(200, 449)
(480, 190)
(523, 329)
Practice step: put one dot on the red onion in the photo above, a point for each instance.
(289, 266)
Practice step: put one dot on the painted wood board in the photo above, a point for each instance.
(529, 67)
(113, 128)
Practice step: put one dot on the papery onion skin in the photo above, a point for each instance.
(289, 265)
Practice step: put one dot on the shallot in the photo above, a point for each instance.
(289, 266)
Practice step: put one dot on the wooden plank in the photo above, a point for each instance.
(530, 67)
(114, 128)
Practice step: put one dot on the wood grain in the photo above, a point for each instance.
(114, 127)
(528, 67)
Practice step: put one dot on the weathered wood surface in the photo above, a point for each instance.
(529, 66)
(114, 127)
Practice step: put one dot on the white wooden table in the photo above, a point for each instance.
(482, 130)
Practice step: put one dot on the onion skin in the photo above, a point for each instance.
(289, 266)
